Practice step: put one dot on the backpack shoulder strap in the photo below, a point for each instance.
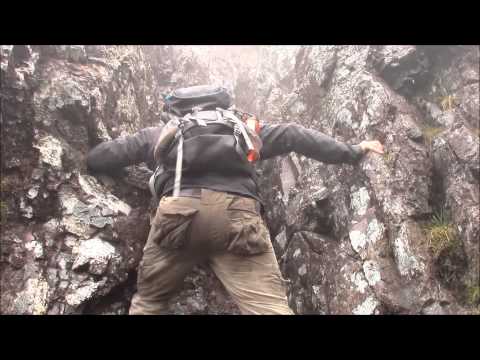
(240, 126)
(178, 167)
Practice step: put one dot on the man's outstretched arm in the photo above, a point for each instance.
(116, 154)
(285, 138)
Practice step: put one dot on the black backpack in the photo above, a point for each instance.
(206, 97)
(203, 136)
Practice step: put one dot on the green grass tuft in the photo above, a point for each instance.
(448, 102)
(3, 212)
(473, 295)
(388, 158)
(430, 132)
(441, 233)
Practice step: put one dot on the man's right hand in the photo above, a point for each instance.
(374, 146)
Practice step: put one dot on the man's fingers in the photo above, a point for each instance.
(374, 146)
(377, 147)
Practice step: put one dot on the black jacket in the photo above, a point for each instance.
(277, 140)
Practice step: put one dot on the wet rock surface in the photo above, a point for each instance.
(350, 239)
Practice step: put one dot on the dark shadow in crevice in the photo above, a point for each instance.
(117, 301)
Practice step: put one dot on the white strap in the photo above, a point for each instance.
(178, 169)
(241, 125)
(151, 182)
(200, 122)
(219, 115)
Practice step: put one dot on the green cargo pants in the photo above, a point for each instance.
(220, 229)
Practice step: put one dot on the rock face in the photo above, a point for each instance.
(350, 239)
(365, 247)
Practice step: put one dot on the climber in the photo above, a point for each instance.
(209, 208)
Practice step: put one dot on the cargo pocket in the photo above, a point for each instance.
(172, 223)
(248, 234)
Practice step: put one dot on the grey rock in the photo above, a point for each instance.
(456, 167)
(33, 299)
(51, 151)
(33, 192)
(26, 210)
(403, 67)
(77, 53)
(96, 253)
(415, 134)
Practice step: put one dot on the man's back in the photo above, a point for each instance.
(277, 140)
(215, 217)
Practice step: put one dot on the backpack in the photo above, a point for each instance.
(182, 101)
(203, 140)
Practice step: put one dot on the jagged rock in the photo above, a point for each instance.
(351, 107)
(280, 243)
(325, 278)
(96, 253)
(404, 68)
(455, 83)
(33, 299)
(455, 157)
(54, 111)
(74, 53)
(5, 51)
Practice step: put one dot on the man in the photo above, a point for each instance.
(215, 219)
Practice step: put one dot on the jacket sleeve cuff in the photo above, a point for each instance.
(358, 151)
